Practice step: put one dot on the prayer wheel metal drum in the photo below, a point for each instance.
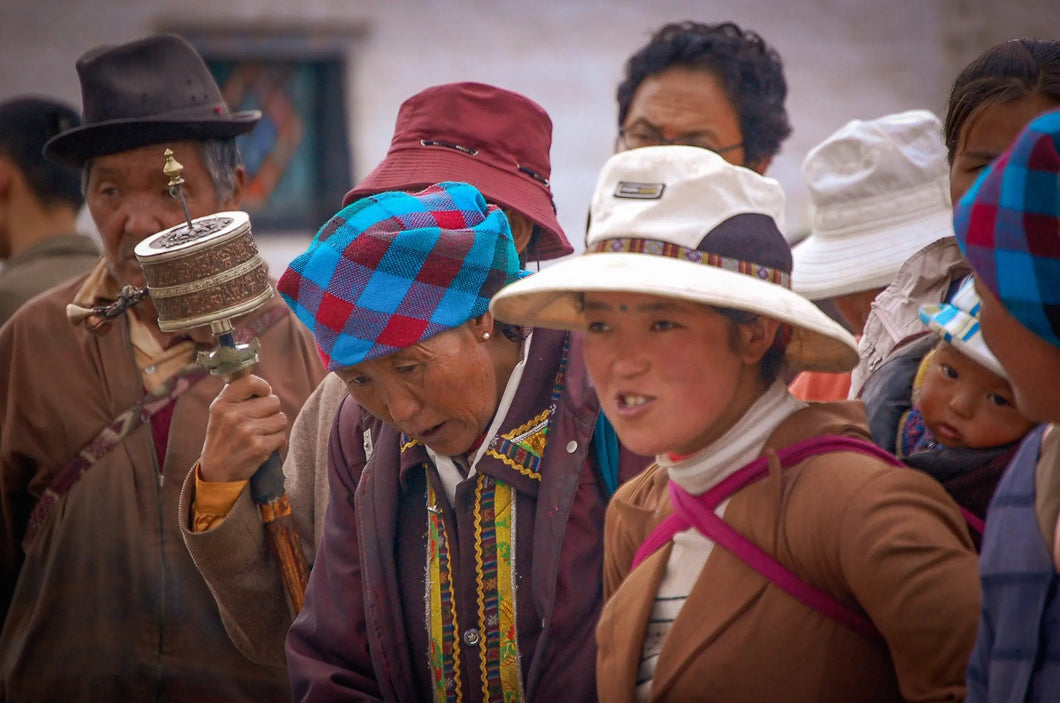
(205, 273)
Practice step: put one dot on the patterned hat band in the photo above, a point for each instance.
(655, 247)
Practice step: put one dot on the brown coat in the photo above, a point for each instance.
(233, 557)
(107, 604)
(887, 542)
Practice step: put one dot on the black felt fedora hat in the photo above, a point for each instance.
(149, 91)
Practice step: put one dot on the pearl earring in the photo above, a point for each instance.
(485, 336)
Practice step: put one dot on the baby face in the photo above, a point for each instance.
(965, 405)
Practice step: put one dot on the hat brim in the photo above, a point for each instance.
(417, 168)
(952, 330)
(831, 266)
(75, 147)
(549, 298)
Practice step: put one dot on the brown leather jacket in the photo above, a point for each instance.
(887, 542)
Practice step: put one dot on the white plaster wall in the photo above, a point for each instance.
(844, 59)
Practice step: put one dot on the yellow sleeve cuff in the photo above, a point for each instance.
(213, 501)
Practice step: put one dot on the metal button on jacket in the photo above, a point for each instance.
(472, 637)
(572, 447)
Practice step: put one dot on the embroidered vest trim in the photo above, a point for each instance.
(495, 549)
(441, 612)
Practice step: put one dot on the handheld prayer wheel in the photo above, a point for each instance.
(204, 272)
(207, 271)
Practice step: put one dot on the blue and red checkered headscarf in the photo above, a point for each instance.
(1008, 227)
(390, 270)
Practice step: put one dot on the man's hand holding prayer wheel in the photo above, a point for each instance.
(246, 425)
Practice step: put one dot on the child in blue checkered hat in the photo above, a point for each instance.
(962, 398)
(1008, 228)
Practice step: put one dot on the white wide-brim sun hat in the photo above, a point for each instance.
(681, 222)
(880, 193)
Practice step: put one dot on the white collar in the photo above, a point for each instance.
(740, 444)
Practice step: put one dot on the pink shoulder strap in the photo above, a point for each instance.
(698, 512)
(752, 472)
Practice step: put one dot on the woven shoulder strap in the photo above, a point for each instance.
(698, 512)
(108, 438)
(117, 429)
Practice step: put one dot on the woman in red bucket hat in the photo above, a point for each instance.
(492, 138)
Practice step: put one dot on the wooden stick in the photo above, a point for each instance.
(267, 490)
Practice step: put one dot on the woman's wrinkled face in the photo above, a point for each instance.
(666, 372)
(987, 134)
(966, 405)
(442, 391)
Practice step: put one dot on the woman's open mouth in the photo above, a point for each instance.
(431, 433)
(631, 404)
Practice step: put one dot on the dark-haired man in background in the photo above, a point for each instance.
(718, 87)
(39, 203)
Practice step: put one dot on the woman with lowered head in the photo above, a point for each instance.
(462, 548)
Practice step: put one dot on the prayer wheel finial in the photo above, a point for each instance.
(172, 170)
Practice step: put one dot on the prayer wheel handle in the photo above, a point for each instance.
(232, 361)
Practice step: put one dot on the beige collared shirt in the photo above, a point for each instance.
(155, 363)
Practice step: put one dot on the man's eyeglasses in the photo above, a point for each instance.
(641, 135)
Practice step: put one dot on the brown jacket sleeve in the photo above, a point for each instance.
(234, 558)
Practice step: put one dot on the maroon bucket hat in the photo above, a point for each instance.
(494, 139)
(148, 91)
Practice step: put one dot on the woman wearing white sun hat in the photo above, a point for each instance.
(880, 192)
(842, 577)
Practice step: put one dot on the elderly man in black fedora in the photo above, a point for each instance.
(102, 414)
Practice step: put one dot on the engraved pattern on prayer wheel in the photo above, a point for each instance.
(208, 272)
